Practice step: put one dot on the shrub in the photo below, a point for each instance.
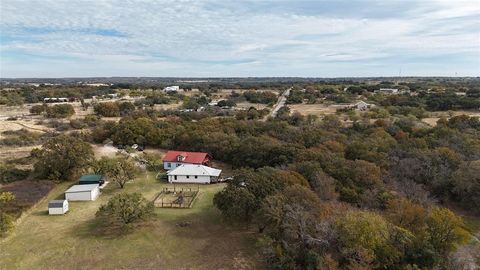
(6, 223)
(37, 109)
(60, 111)
(107, 109)
(77, 124)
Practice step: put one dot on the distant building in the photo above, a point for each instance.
(362, 105)
(174, 88)
(190, 173)
(391, 91)
(174, 159)
(97, 84)
(55, 100)
(82, 192)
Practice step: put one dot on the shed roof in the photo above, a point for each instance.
(56, 203)
(91, 177)
(191, 169)
(81, 188)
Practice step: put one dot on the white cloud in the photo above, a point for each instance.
(196, 38)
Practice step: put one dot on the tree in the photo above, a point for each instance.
(296, 234)
(125, 209)
(107, 109)
(445, 230)
(467, 184)
(236, 203)
(406, 214)
(324, 186)
(62, 158)
(60, 111)
(362, 235)
(104, 165)
(121, 171)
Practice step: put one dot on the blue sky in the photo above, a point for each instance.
(206, 38)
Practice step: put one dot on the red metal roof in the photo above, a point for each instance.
(189, 157)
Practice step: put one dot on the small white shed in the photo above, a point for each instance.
(57, 207)
(82, 192)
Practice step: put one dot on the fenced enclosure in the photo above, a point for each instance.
(175, 197)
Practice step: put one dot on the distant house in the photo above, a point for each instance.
(362, 105)
(174, 88)
(57, 207)
(82, 192)
(189, 173)
(390, 91)
(175, 159)
(55, 100)
(89, 179)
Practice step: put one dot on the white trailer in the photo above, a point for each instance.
(82, 192)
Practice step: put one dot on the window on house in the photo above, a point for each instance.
(169, 165)
(196, 177)
(188, 176)
(175, 177)
(178, 164)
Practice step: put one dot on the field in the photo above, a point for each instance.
(435, 116)
(71, 241)
(315, 109)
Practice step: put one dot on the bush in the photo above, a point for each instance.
(124, 210)
(10, 174)
(20, 137)
(38, 109)
(60, 111)
(6, 223)
(77, 124)
(107, 109)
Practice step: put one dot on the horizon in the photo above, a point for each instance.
(239, 39)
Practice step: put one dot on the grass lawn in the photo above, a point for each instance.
(41, 241)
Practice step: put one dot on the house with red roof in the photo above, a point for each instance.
(174, 159)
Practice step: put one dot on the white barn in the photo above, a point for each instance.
(190, 173)
(82, 192)
(57, 207)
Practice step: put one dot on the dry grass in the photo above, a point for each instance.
(315, 109)
(435, 116)
(69, 242)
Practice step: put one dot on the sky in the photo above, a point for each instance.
(236, 38)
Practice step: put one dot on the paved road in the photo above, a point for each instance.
(281, 102)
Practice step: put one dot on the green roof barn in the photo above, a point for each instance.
(89, 179)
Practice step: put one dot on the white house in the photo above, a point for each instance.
(82, 192)
(173, 88)
(189, 173)
(57, 207)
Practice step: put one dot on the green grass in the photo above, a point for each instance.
(69, 242)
